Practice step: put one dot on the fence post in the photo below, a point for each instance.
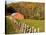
(27, 28)
(32, 29)
(21, 28)
(38, 30)
(24, 31)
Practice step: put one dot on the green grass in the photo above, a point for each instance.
(30, 22)
(36, 23)
(10, 26)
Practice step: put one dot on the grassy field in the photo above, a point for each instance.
(30, 22)
(35, 23)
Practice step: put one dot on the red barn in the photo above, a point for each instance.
(18, 16)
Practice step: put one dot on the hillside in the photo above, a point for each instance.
(29, 9)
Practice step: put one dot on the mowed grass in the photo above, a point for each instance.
(36, 23)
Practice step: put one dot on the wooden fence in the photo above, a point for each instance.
(26, 29)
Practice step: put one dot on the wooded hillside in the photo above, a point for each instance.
(29, 9)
